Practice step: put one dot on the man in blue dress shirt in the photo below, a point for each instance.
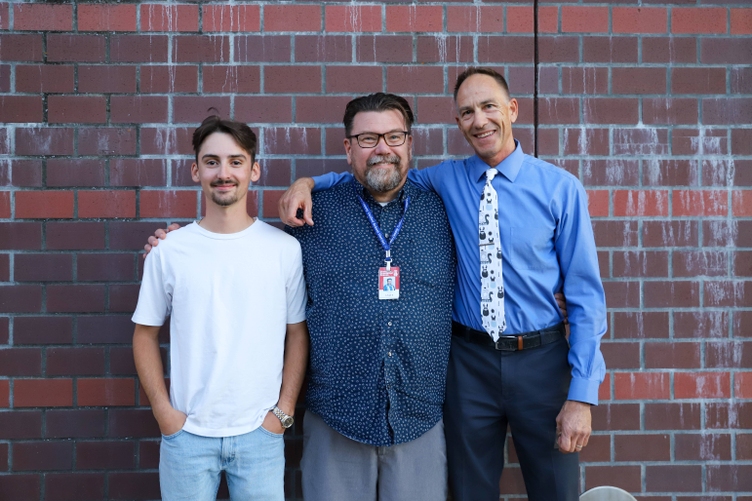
(532, 379)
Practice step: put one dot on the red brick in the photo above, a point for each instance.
(414, 18)
(29, 17)
(702, 385)
(292, 79)
(263, 109)
(64, 235)
(107, 17)
(20, 109)
(610, 110)
(106, 203)
(598, 203)
(624, 477)
(231, 79)
(639, 20)
(194, 109)
(698, 20)
(641, 385)
(105, 455)
(200, 48)
(698, 80)
(584, 19)
(652, 447)
(383, 49)
(291, 141)
(673, 478)
(44, 204)
(75, 48)
(700, 203)
(520, 19)
(665, 111)
(74, 486)
(75, 298)
(672, 416)
(742, 203)
(671, 294)
(43, 392)
(43, 267)
(356, 18)
(155, 17)
(292, 17)
(612, 49)
(138, 109)
(75, 361)
(240, 18)
(168, 203)
(138, 48)
(105, 392)
(702, 447)
(548, 19)
(695, 263)
(741, 21)
(473, 19)
(106, 141)
(405, 79)
(25, 48)
(77, 109)
(640, 203)
(631, 80)
(168, 79)
(107, 79)
(743, 385)
(320, 48)
(44, 78)
(359, 79)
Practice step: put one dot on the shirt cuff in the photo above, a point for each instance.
(584, 390)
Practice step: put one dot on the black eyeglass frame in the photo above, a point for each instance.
(378, 138)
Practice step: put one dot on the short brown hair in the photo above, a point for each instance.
(242, 134)
(379, 101)
(480, 70)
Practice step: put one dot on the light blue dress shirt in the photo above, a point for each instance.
(547, 246)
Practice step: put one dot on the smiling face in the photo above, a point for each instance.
(485, 115)
(381, 169)
(224, 170)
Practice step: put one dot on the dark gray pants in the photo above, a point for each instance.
(336, 468)
(488, 389)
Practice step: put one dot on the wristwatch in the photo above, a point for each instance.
(286, 420)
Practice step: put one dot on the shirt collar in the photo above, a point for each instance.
(361, 191)
(509, 167)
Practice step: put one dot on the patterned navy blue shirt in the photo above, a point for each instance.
(377, 367)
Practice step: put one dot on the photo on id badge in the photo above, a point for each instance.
(389, 283)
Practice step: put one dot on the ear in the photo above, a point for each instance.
(513, 110)
(348, 151)
(194, 173)
(255, 172)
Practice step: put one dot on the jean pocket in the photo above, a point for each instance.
(271, 433)
(173, 436)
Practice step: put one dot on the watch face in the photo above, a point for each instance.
(287, 422)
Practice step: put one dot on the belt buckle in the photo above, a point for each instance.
(518, 338)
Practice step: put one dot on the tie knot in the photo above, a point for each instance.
(490, 174)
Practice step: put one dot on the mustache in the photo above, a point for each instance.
(390, 159)
(222, 183)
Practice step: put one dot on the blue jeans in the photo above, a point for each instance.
(254, 464)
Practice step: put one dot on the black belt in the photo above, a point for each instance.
(517, 342)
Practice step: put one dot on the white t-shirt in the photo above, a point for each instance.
(231, 297)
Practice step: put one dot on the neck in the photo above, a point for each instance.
(501, 156)
(232, 219)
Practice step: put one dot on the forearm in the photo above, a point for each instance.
(150, 369)
(296, 361)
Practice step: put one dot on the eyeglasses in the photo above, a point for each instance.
(371, 139)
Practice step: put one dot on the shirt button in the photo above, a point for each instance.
(389, 323)
(390, 353)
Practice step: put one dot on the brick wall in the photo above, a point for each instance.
(648, 102)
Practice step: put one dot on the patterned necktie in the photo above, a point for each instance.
(492, 287)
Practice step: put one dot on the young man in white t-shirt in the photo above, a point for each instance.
(234, 288)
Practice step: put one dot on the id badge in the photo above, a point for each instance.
(389, 283)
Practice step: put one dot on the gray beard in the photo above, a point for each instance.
(380, 180)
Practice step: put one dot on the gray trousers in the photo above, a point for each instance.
(336, 468)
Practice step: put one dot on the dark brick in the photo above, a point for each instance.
(670, 233)
(699, 142)
(74, 486)
(263, 48)
(75, 423)
(5, 329)
(729, 478)
(4, 458)
(75, 298)
(15, 424)
(24, 48)
(615, 233)
(558, 49)
(43, 267)
(722, 233)
(506, 48)
(42, 330)
(44, 141)
(106, 141)
(138, 109)
(671, 172)
(106, 79)
(669, 111)
(42, 456)
(168, 78)
(722, 50)
(4, 266)
(639, 325)
(130, 486)
(640, 264)
(44, 78)
(576, 80)
(121, 361)
(20, 109)
(233, 78)
(123, 298)
(138, 48)
(616, 417)
(669, 49)
(696, 263)
(586, 141)
(635, 80)
(727, 111)
(125, 423)
(201, 49)
(106, 267)
(673, 478)
(320, 109)
(76, 48)
(193, 109)
(78, 361)
(672, 416)
(672, 294)
(26, 173)
(728, 354)
(624, 477)
(148, 457)
(274, 172)
(75, 172)
(20, 487)
(20, 298)
(702, 447)
(265, 109)
(672, 355)
(728, 415)
(383, 49)
(167, 141)
(76, 109)
(610, 110)
(292, 140)
(621, 355)
(609, 49)
(110, 329)
(65, 235)
(105, 455)
(653, 447)
(356, 79)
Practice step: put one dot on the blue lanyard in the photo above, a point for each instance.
(386, 245)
